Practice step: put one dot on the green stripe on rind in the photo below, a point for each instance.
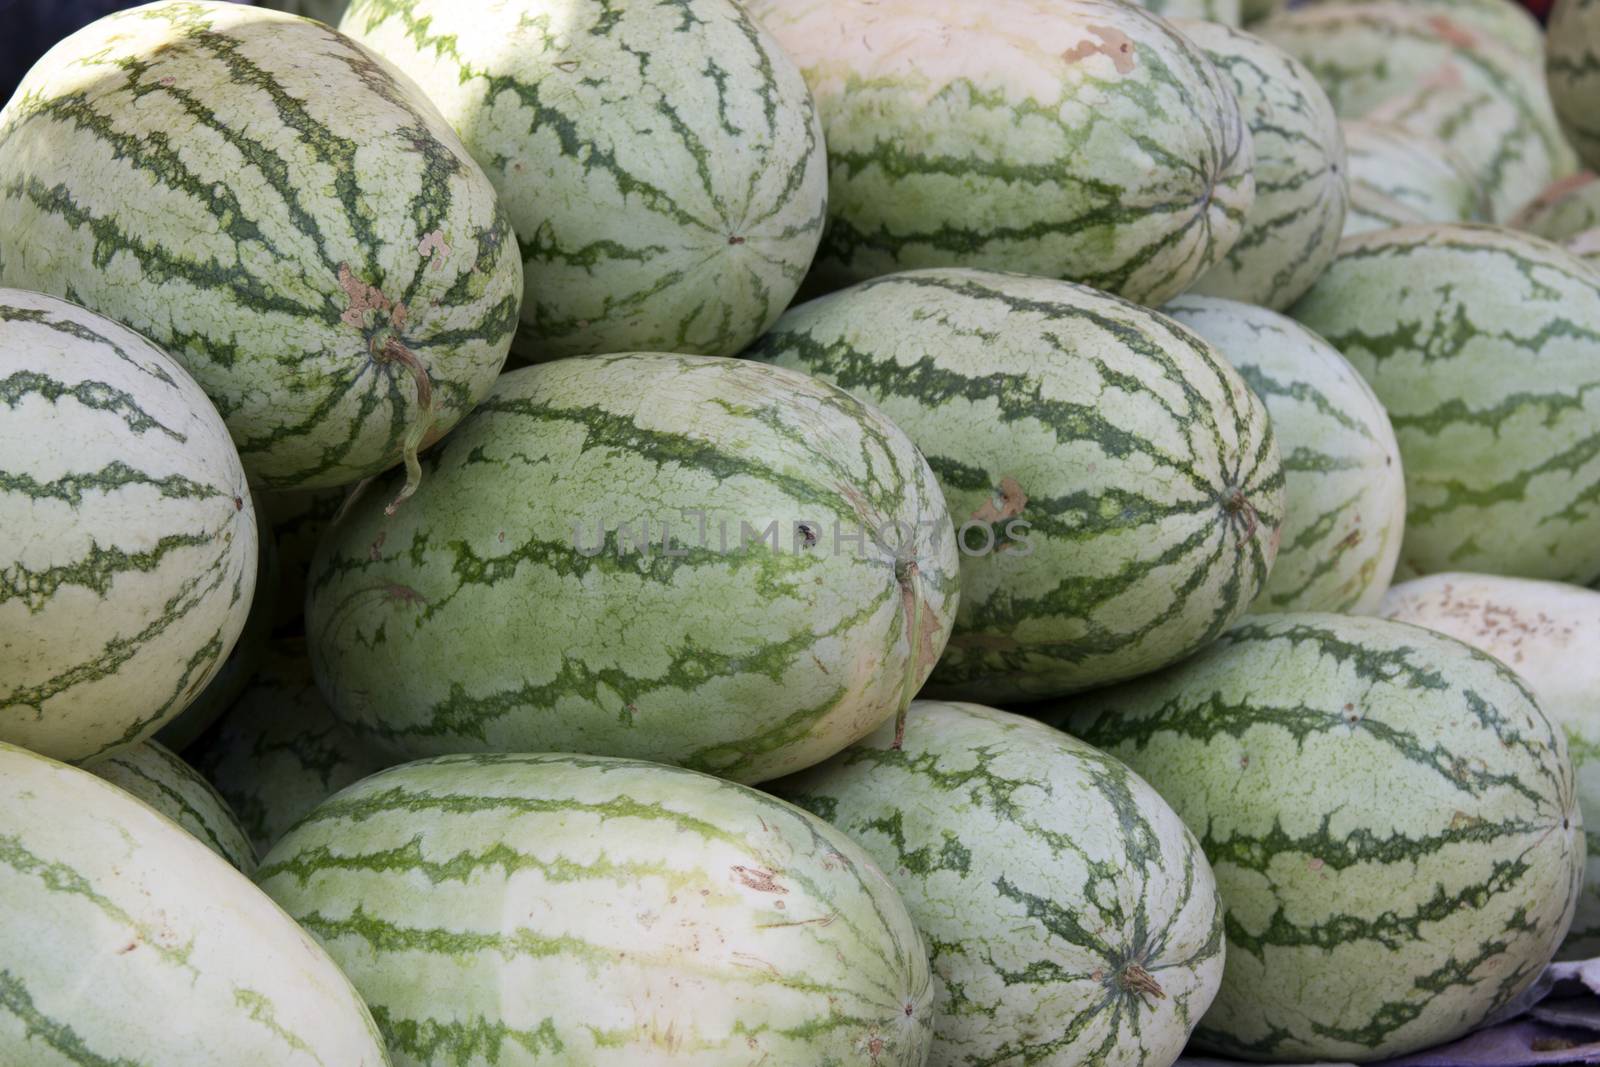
(1572, 67)
(192, 965)
(154, 775)
(1116, 436)
(1399, 177)
(129, 555)
(644, 911)
(1294, 225)
(288, 198)
(1047, 880)
(1344, 492)
(1077, 139)
(1391, 820)
(1502, 470)
(662, 163)
(743, 661)
(1564, 210)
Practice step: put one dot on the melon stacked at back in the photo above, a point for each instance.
(1399, 177)
(1573, 69)
(1567, 212)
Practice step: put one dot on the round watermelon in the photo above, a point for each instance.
(1399, 178)
(151, 772)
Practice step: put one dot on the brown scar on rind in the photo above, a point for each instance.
(1113, 44)
(758, 878)
(1012, 501)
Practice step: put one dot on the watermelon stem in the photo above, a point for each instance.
(392, 351)
(1135, 979)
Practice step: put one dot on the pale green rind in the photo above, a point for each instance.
(1572, 68)
(662, 163)
(124, 942)
(153, 774)
(297, 521)
(1344, 491)
(1399, 178)
(279, 752)
(1548, 633)
(281, 211)
(1391, 819)
(1481, 342)
(1077, 139)
(1586, 246)
(1292, 229)
(1143, 470)
(1505, 22)
(1227, 12)
(508, 607)
(128, 557)
(1070, 917)
(528, 910)
(1564, 210)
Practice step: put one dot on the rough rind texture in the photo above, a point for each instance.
(1070, 916)
(1564, 210)
(1144, 470)
(1293, 227)
(1547, 632)
(124, 942)
(1344, 491)
(287, 216)
(280, 752)
(509, 909)
(1573, 69)
(1077, 139)
(1391, 820)
(1399, 178)
(1481, 342)
(662, 164)
(129, 551)
(509, 607)
(153, 774)
(1505, 22)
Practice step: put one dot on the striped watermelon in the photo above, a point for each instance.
(279, 752)
(1547, 632)
(265, 199)
(124, 942)
(1482, 343)
(1391, 819)
(297, 521)
(1116, 484)
(516, 910)
(1399, 177)
(152, 773)
(1506, 22)
(1344, 493)
(662, 163)
(556, 590)
(1077, 139)
(129, 550)
(1070, 916)
(1573, 70)
(1293, 227)
(1227, 12)
(1565, 209)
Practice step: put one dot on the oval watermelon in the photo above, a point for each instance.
(293, 221)
(509, 909)
(1399, 178)
(1344, 493)
(1117, 486)
(1481, 343)
(690, 559)
(1070, 916)
(127, 942)
(1565, 209)
(150, 772)
(129, 551)
(1573, 69)
(1391, 819)
(662, 163)
(1547, 633)
(1077, 139)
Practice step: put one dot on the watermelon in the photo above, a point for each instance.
(1078, 139)
(1586, 245)
(511, 909)
(129, 554)
(297, 521)
(1482, 343)
(281, 211)
(1573, 70)
(1506, 22)
(1547, 633)
(125, 942)
(151, 772)
(1070, 916)
(1294, 225)
(1344, 493)
(1117, 486)
(279, 751)
(1391, 819)
(1227, 12)
(1565, 209)
(662, 163)
(691, 559)
(1398, 178)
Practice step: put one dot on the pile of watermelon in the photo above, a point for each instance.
(831, 533)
